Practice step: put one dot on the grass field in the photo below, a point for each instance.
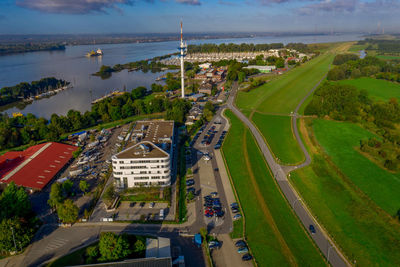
(282, 94)
(377, 89)
(388, 57)
(364, 232)
(273, 232)
(339, 140)
(278, 131)
(356, 48)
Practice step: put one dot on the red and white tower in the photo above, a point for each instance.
(182, 49)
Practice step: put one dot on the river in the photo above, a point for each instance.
(72, 65)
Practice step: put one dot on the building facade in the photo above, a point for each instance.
(147, 158)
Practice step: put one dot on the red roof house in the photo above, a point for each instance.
(36, 166)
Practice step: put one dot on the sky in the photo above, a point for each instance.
(163, 16)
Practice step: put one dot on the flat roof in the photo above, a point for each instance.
(144, 149)
(154, 131)
(36, 166)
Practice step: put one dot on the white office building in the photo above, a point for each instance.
(147, 159)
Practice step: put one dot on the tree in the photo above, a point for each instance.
(56, 196)
(92, 252)
(67, 187)
(14, 202)
(83, 186)
(139, 246)
(113, 247)
(67, 211)
(14, 234)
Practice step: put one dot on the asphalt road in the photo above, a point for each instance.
(321, 238)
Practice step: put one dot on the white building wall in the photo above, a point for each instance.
(153, 171)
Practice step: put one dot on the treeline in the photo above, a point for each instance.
(382, 46)
(221, 48)
(28, 129)
(226, 48)
(21, 48)
(350, 66)
(25, 90)
(347, 103)
(17, 220)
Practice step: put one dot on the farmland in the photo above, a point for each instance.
(281, 241)
(377, 89)
(366, 233)
(278, 132)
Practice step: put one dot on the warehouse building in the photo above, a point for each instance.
(147, 158)
(36, 166)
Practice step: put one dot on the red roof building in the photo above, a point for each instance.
(36, 166)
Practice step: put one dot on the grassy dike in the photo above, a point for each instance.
(281, 95)
(366, 234)
(279, 135)
(274, 234)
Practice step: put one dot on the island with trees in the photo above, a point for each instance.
(29, 91)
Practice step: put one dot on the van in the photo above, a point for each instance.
(161, 215)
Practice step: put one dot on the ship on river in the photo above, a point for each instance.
(93, 53)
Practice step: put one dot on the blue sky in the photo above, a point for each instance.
(159, 16)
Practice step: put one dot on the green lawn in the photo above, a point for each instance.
(283, 94)
(273, 232)
(278, 131)
(364, 232)
(237, 229)
(339, 140)
(377, 89)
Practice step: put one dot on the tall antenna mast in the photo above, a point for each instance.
(182, 49)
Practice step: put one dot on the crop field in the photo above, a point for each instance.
(357, 48)
(366, 233)
(377, 89)
(281, 241)
(282, 94)
(278, 131)
(339, 140)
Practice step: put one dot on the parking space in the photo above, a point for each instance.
(145, 211)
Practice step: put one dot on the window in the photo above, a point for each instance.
(121, 162)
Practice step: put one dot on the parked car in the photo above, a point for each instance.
(240, 243)
(312, 229)
(247, 257)
(234, 205)
(151, 205)
(189, 182)
(214, 194)
(237, 217)
(242, 250)
(234, 210)
(214, 244)
(191, 189)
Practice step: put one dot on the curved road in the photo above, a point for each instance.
(321, 238)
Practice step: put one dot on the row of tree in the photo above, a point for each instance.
(347, 103)
(28, 47)
(350, 66)
(25, 90)
(226, 48)
(27, 129)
